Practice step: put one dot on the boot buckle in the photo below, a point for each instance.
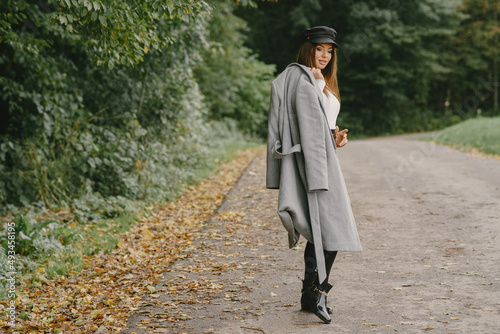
(315, 289)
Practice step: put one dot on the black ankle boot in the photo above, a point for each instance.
(314, 300)
(304, 303)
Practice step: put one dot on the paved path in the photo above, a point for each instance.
(429, 222)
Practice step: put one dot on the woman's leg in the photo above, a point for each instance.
(311, 265)
(313, 293)
(329, 259)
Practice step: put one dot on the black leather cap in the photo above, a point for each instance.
(320, 34)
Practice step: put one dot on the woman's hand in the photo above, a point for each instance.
(340, 137)
(317, 73)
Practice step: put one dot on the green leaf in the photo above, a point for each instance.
(103, 20)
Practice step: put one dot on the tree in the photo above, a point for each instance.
(478, 43)
(99, 102)
(235, 84)
(73, 128)
(389, 57)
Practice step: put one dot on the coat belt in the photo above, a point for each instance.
(280, 155)
(316, 234)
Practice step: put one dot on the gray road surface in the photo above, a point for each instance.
(429, 222)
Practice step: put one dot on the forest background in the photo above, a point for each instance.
(106, 106)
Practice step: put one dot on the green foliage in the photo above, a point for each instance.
(250, 3)
(96, 137)
(471, 85)
(235, 84)
(120, 32)
(391, 62)
(28, 236)
(86, 134)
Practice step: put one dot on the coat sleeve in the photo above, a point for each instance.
(311, 122)
(273, 165)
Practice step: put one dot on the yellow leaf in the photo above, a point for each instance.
(94, 313)
(147, 234)
(146, 49)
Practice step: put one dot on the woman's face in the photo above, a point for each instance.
(323, 55)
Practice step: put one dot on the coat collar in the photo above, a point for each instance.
(308, 74)
(311, 79)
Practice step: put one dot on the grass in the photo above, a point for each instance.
(478, 134)
(59, 248)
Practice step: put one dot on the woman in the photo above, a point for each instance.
(302, 162)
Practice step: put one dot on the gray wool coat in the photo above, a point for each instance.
(302, 163)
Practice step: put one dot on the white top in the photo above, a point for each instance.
(331, 104)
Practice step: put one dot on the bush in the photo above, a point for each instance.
(93, 138)
(235, 84)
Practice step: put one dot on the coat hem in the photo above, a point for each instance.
(337, 248)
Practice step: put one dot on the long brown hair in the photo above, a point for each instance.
(306, 55)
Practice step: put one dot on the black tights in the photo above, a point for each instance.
(311, 265)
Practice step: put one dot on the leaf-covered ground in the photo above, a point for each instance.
(102, 296)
